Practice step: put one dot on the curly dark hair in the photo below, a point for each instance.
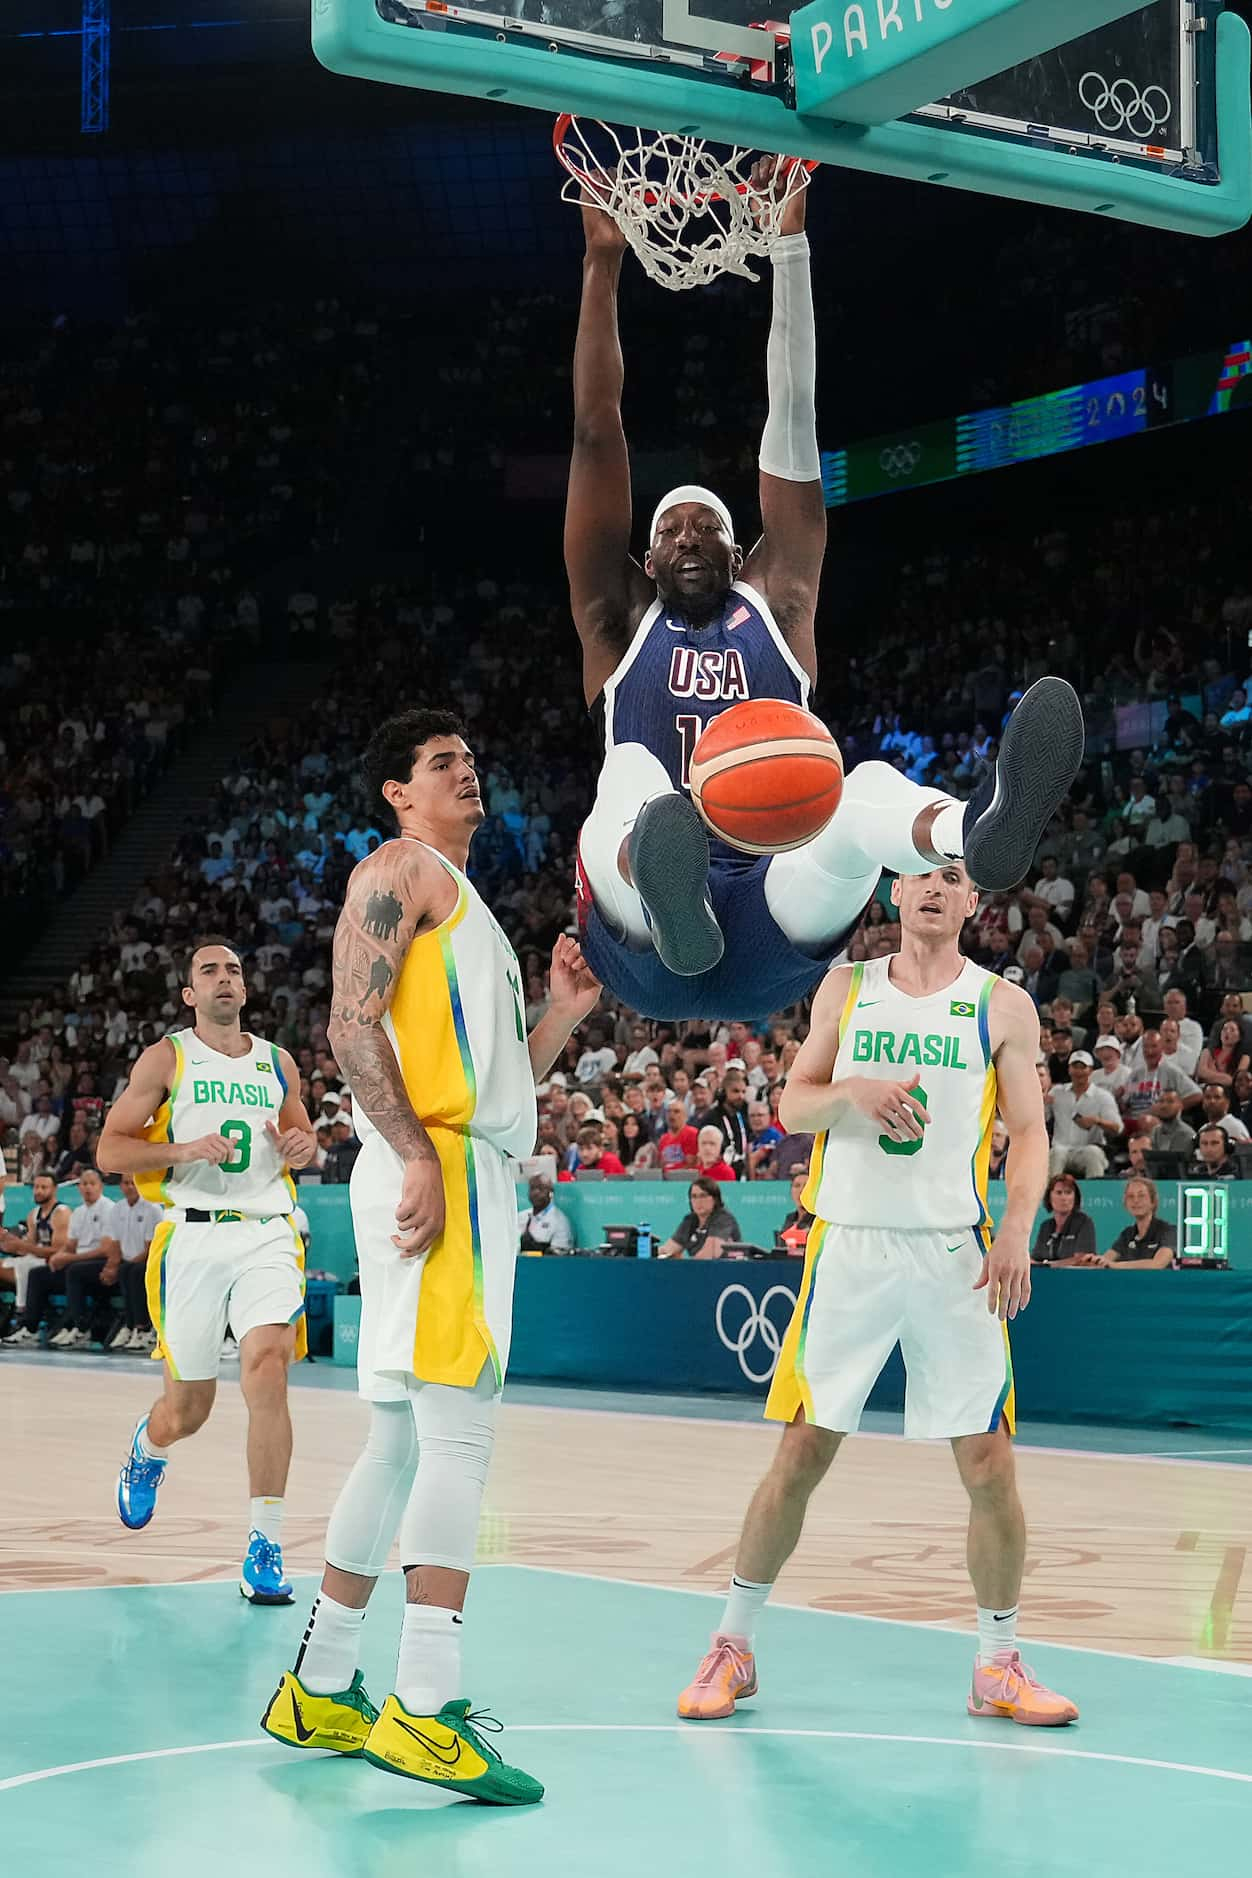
(391, 750)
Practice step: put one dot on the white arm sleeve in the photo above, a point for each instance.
(789, 441)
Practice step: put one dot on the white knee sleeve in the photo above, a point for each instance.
(455, 1434)
(816, 891)
(372, 1499)
(631, 776)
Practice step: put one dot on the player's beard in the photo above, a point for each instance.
(700, 606)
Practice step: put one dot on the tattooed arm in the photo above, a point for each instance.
(389, 901)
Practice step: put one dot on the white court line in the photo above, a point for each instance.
(677, 1591)
(676, 1728)
(855, 1617)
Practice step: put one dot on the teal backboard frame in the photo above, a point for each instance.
(477, 61)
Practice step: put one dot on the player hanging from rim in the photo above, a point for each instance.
(903, 1101)
(672, 924)
(209, 1124)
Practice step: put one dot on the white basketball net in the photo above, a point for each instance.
(689, 213)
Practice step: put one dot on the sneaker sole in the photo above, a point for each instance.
(263, 1597)
(669, 864)
(990, 1713)
(1041, 754)
(721, 1713)
(469, 1791)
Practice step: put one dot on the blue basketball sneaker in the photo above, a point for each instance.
(138, 1482)
(262, 1581)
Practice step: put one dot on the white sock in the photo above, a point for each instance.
(428, 1670)
(331, 1649)
(947, 833)
(997, 1632)
(744, 1604)
(147, 1448)
(266, 1517)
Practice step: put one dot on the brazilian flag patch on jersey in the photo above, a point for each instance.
(958, 1009)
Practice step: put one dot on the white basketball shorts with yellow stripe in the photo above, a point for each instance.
(443, 1316)
(866, 1289)
(206, 1276)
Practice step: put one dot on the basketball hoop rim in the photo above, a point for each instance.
(569, 119)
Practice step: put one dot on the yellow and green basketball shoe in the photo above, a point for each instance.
(448, 1750)
(300, 1719)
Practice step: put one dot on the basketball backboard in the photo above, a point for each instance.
(1146, 119)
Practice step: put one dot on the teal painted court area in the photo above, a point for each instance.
(857, 1757)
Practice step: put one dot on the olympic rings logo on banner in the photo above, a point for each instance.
(757, 1325)
(1122, 106)
(901, 459)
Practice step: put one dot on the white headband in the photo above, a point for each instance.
(692, 492)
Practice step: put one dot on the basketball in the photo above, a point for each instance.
(766, 776)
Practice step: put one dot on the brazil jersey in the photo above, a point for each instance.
(860, 1176)
(234, 1096)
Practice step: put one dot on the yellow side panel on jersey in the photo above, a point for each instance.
(452, 1338)
(789, 1391)
(153, 1185)
(154, 1285)
(429, 1025)
(808, 1198)
(981, 1167)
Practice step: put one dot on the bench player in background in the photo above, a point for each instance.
(210, 1124)
(672, 924)
(900, 1078)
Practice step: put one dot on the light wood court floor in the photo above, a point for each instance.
(1128, 1553)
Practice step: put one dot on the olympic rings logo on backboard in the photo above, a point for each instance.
(1121, 106)
(756, 1327)
(901, 459)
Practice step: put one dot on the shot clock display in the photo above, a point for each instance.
(1203, 1224)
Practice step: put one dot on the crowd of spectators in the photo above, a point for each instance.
(143, 471)
(1132, 935)
(140, 467)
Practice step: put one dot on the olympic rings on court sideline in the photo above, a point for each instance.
(901, 459)
(1121, 105)
(757, 1324)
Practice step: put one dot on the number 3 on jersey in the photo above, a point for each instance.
(239, 1134)
(891, 1146)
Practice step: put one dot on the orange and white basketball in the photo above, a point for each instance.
(766, 776)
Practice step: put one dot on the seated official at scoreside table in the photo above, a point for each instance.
(544, 1226)
(1069, 1234)
(1149, 1242)
(706, 1228)
(799, 1218)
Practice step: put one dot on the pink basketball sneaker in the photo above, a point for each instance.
(726, 1676)
(1007, 1691)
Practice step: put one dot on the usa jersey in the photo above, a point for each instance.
(675, 679)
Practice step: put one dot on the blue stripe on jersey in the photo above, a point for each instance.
(677, 678)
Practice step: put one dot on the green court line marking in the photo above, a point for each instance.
(677, 1728)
